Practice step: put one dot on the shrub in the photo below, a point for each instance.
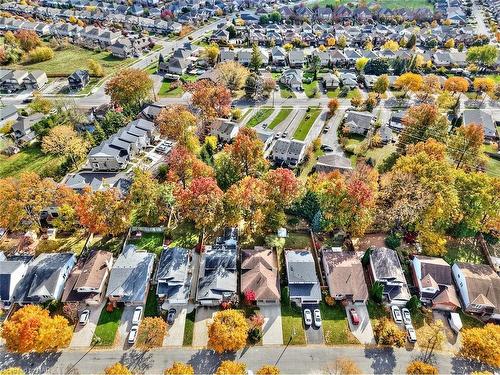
(421, 368)
(393, 240)
(40, 54)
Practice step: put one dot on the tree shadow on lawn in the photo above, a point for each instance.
(207, 361)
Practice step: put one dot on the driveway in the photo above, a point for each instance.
(363, 331)
(201, 321)
(314, 335)
(175, 333)
(272, 329)
(124, 328)
(82, 336)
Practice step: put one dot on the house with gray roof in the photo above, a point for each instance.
(12, 272)
(98, 181)
(8, 114)
(22, 130)
(359, 122)
(225, 131)
(292, 78)
(173, 277)
(303, 283)
(45, 278)
(483, 118)
(130, 276)
(385, 268)
(288, 152)
(296, 58)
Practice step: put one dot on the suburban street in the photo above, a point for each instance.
(313, 359)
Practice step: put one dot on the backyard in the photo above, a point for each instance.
(184, 235)
(167, 91)
(463, 250)
(151, 242)
(306, 123)
(291, 318)
(280, 117)
(335, 327)
(261, 115)
(107, 326)
(73, 242)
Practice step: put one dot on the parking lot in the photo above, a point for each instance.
(83, 334)
(314, 334)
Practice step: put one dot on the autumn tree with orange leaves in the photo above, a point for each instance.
(465, 146)
(228, 332)
(184, 166)
(176, 122)
(129, 87)
(214, 100)
(117, 369)
(31, 328)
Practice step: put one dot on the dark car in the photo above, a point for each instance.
(171, 316)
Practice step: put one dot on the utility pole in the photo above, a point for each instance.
(288, 343)
(96, 341)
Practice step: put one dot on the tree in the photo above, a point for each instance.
(465, 145)
(39, 54)
(268, 370)
(381, 85)
(12, 371)
(63, 140)
(153, 202)
(129, 87)
(40, 104)
(450, 43)
(391, 45)
(27, 39)
(287, 47)
(214, 100)
(201, 202)
(342, 42)
(151, 332)
(231, 368)
(421, 123)
(284, 188)
(431, 337)
(484, 85)
(412, 41)
(333, 105)
(228, 332)
(179, 368)
(177, 122)
(409, 82)
(431, 85)
(485, 55)
(31, 328)
(377, 292)
(388, 333)
(103, 212)
(344, 366)
(456, 85)
(212, 53)
(482, 344)
(361, 63)
(95, 68)
(232, 74)
(117, 369)
(315, 66)
(256, 58)
(184, 166)
(377, 67)
(112, 122)
(268, 85)
(421, 368)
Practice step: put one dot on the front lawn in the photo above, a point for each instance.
(188, 329)
(280, 117)
(379, 154)
(311, 89)
(291, 319)
(492, 166)
(469, 321)
(107, 326)
(376, 311)
(306, 123)
(151, 242)
(167, 91)
(335, 326)
(333, 93)
(31, 159)
(261, 115)
(285, 92)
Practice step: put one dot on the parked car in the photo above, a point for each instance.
(325, 129)
(277, 135)
(326, 148)
(132, 336)
(284, 135)
(317, 318)
(136, 318)
(354, 316)
(171, 316)
(264, 125)
(84, 317)
(406, 316)
(396, 314)
(410, 333)
(307, 317)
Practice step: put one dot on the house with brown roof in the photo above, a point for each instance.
(344, 275)
(432, 277)
(86, 282)
(479, 289)
(259, 273)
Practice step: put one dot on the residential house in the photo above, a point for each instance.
(292, 78)
(479, 289)
(348, 80)
(278, 57)
(227, 55)
(288, 152)
(35, 80)
(98, 181)
(87, 281)
(344, 275)
(22, 130)
(78, 79)
(218, 274)
(173, 277)
(12, 271)
(14, 81)
(259, 274)
(303, 283)
(296, 58)
(45, 278)
(483, 118)
(386, 135)
(330, 81)
(225, 130)
(130, 276)
(385, 268)
(432, 277)
(332, 162)
(178, 66)
(396, 121)
(359, 122)
(8, 114)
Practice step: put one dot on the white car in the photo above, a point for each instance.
(410, 333)
(396, 314)
(317, 318)
(406, 316)
(132, 336)
(307, 317)
(136, 318)
(84, 317)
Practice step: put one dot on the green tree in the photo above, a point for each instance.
(381, 85)
(256, 58)
(315, 65)
(485, 55)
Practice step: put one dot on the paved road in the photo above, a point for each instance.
(293, 360)
(481, 27)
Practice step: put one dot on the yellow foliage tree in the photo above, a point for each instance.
(268, 370)
(388, 333)
(391, 45)
(212, 52)
(409, 82)
(450, 43)
(231, 368)
(228, 332)
(117, 369)
(344, 366)
(179, 368)
(482, 344)
(421, 368)
(95, 68)
(12, 371)
(151, 332)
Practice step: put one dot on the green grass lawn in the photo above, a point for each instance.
(469, 321)
(333, 93)
(291, 318)
(112, 244)
(280, 117)
(306, 124)
(297, 240)
(31, 159)
(188, 329)
(151, 242)
(151, 308)
(73, 242)
(166, 91)
(495, 77)
(244, 115)
(285, 92)
(261, 115)
(184, 235)
(379, 154)
(376, 311)
(152, 69)
(463, 250)
(67, 60)
(306, 168)
(311, 89)
(335, 327)
(107, 326)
